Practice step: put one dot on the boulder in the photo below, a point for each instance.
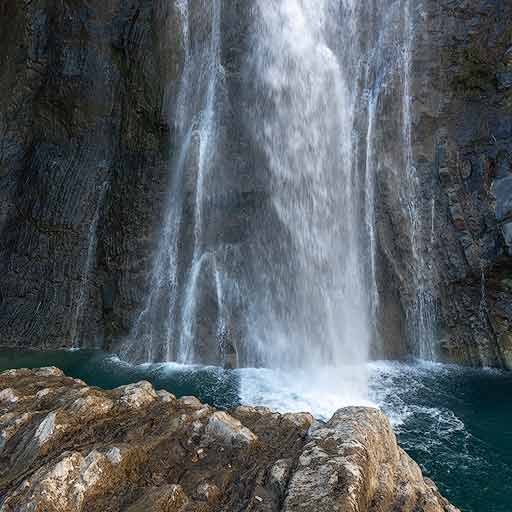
(223, 428)
(353, 464)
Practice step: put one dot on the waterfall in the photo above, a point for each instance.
(299, 289)
(206, 132)
(313, 308)
(370, 169)
(85, 281)
(165, 328)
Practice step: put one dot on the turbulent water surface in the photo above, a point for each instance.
(456, 423)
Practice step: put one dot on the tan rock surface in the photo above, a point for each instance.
(67, 447)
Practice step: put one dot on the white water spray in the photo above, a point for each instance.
(165, 328)
(421, 313)
(315, 312)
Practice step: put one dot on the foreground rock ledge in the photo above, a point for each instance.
(65, 446)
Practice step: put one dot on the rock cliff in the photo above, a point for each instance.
(463, 148)
(89, 93)
(87, 103)
(84, 144)
(67, 447)
(444, 249)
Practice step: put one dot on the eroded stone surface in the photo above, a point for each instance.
(353, 464)
(137, 395)
(135, 450)
(224, 429)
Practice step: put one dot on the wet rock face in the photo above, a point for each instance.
(463, 145)
(68, 447)
(88, 101)
(462, 155)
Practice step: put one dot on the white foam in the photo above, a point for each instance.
(164, 368)
(396, 387)
(321, 392)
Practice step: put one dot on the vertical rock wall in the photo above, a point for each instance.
(461, 87)
(463, 143)
(88, 102)
(83, 152)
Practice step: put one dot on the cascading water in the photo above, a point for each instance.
(85, 282)
(315, 310)
(298, 290)
(370, 195)
(421, 313)
(206, 132)
(322, 68)
(165, 328)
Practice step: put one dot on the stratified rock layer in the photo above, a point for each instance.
(67, 447)
(84, 145)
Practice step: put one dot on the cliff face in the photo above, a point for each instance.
(67, 447)
(89, 93)
(88, 111)
(444, 250)
(83, 162)
(463, 145)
